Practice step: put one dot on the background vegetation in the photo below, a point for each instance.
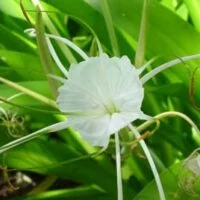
(59, 165)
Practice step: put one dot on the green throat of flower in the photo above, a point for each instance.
(111, 108)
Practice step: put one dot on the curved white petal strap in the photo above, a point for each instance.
(52, 128)
(57, 78)
(167, 65)
(151, 162)
(144, 116)
(142, 68)
(70, 44)
(100, 49)
(31, 32)
(56, 58)
(118, 167)
(15, 96)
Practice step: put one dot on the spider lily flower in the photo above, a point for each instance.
(100, 96)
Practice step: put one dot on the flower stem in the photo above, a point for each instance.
(140, 52)
(168, 114)
(110, 27)
(44, 185)
(151, 162)
(167, 65)
(50, 26)
(43, 51)
(118, 167)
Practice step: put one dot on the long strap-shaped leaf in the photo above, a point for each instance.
(52, 128)
(29, 92)
(43, 51)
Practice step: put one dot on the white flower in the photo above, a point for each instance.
(101, 96)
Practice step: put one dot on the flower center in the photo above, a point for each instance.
(111, 108)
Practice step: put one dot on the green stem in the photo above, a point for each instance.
(43, 51)
(140, 52)
(164, 115)
(8, 101)
(110, 27)
(65, 50)
(31, 93)
(43, 186)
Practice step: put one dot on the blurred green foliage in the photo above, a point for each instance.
(172, 32)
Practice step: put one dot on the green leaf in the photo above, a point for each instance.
(178, 184)
(12, 8)
(78, 193)
(58, 159)
(28, 66)
(14, 41)
(194, 11)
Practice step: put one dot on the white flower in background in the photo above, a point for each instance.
(101, 96)
(192, 163)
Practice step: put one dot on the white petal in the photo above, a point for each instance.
(101, 140)
(121, 120)
(75, 98)
(93, 129)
